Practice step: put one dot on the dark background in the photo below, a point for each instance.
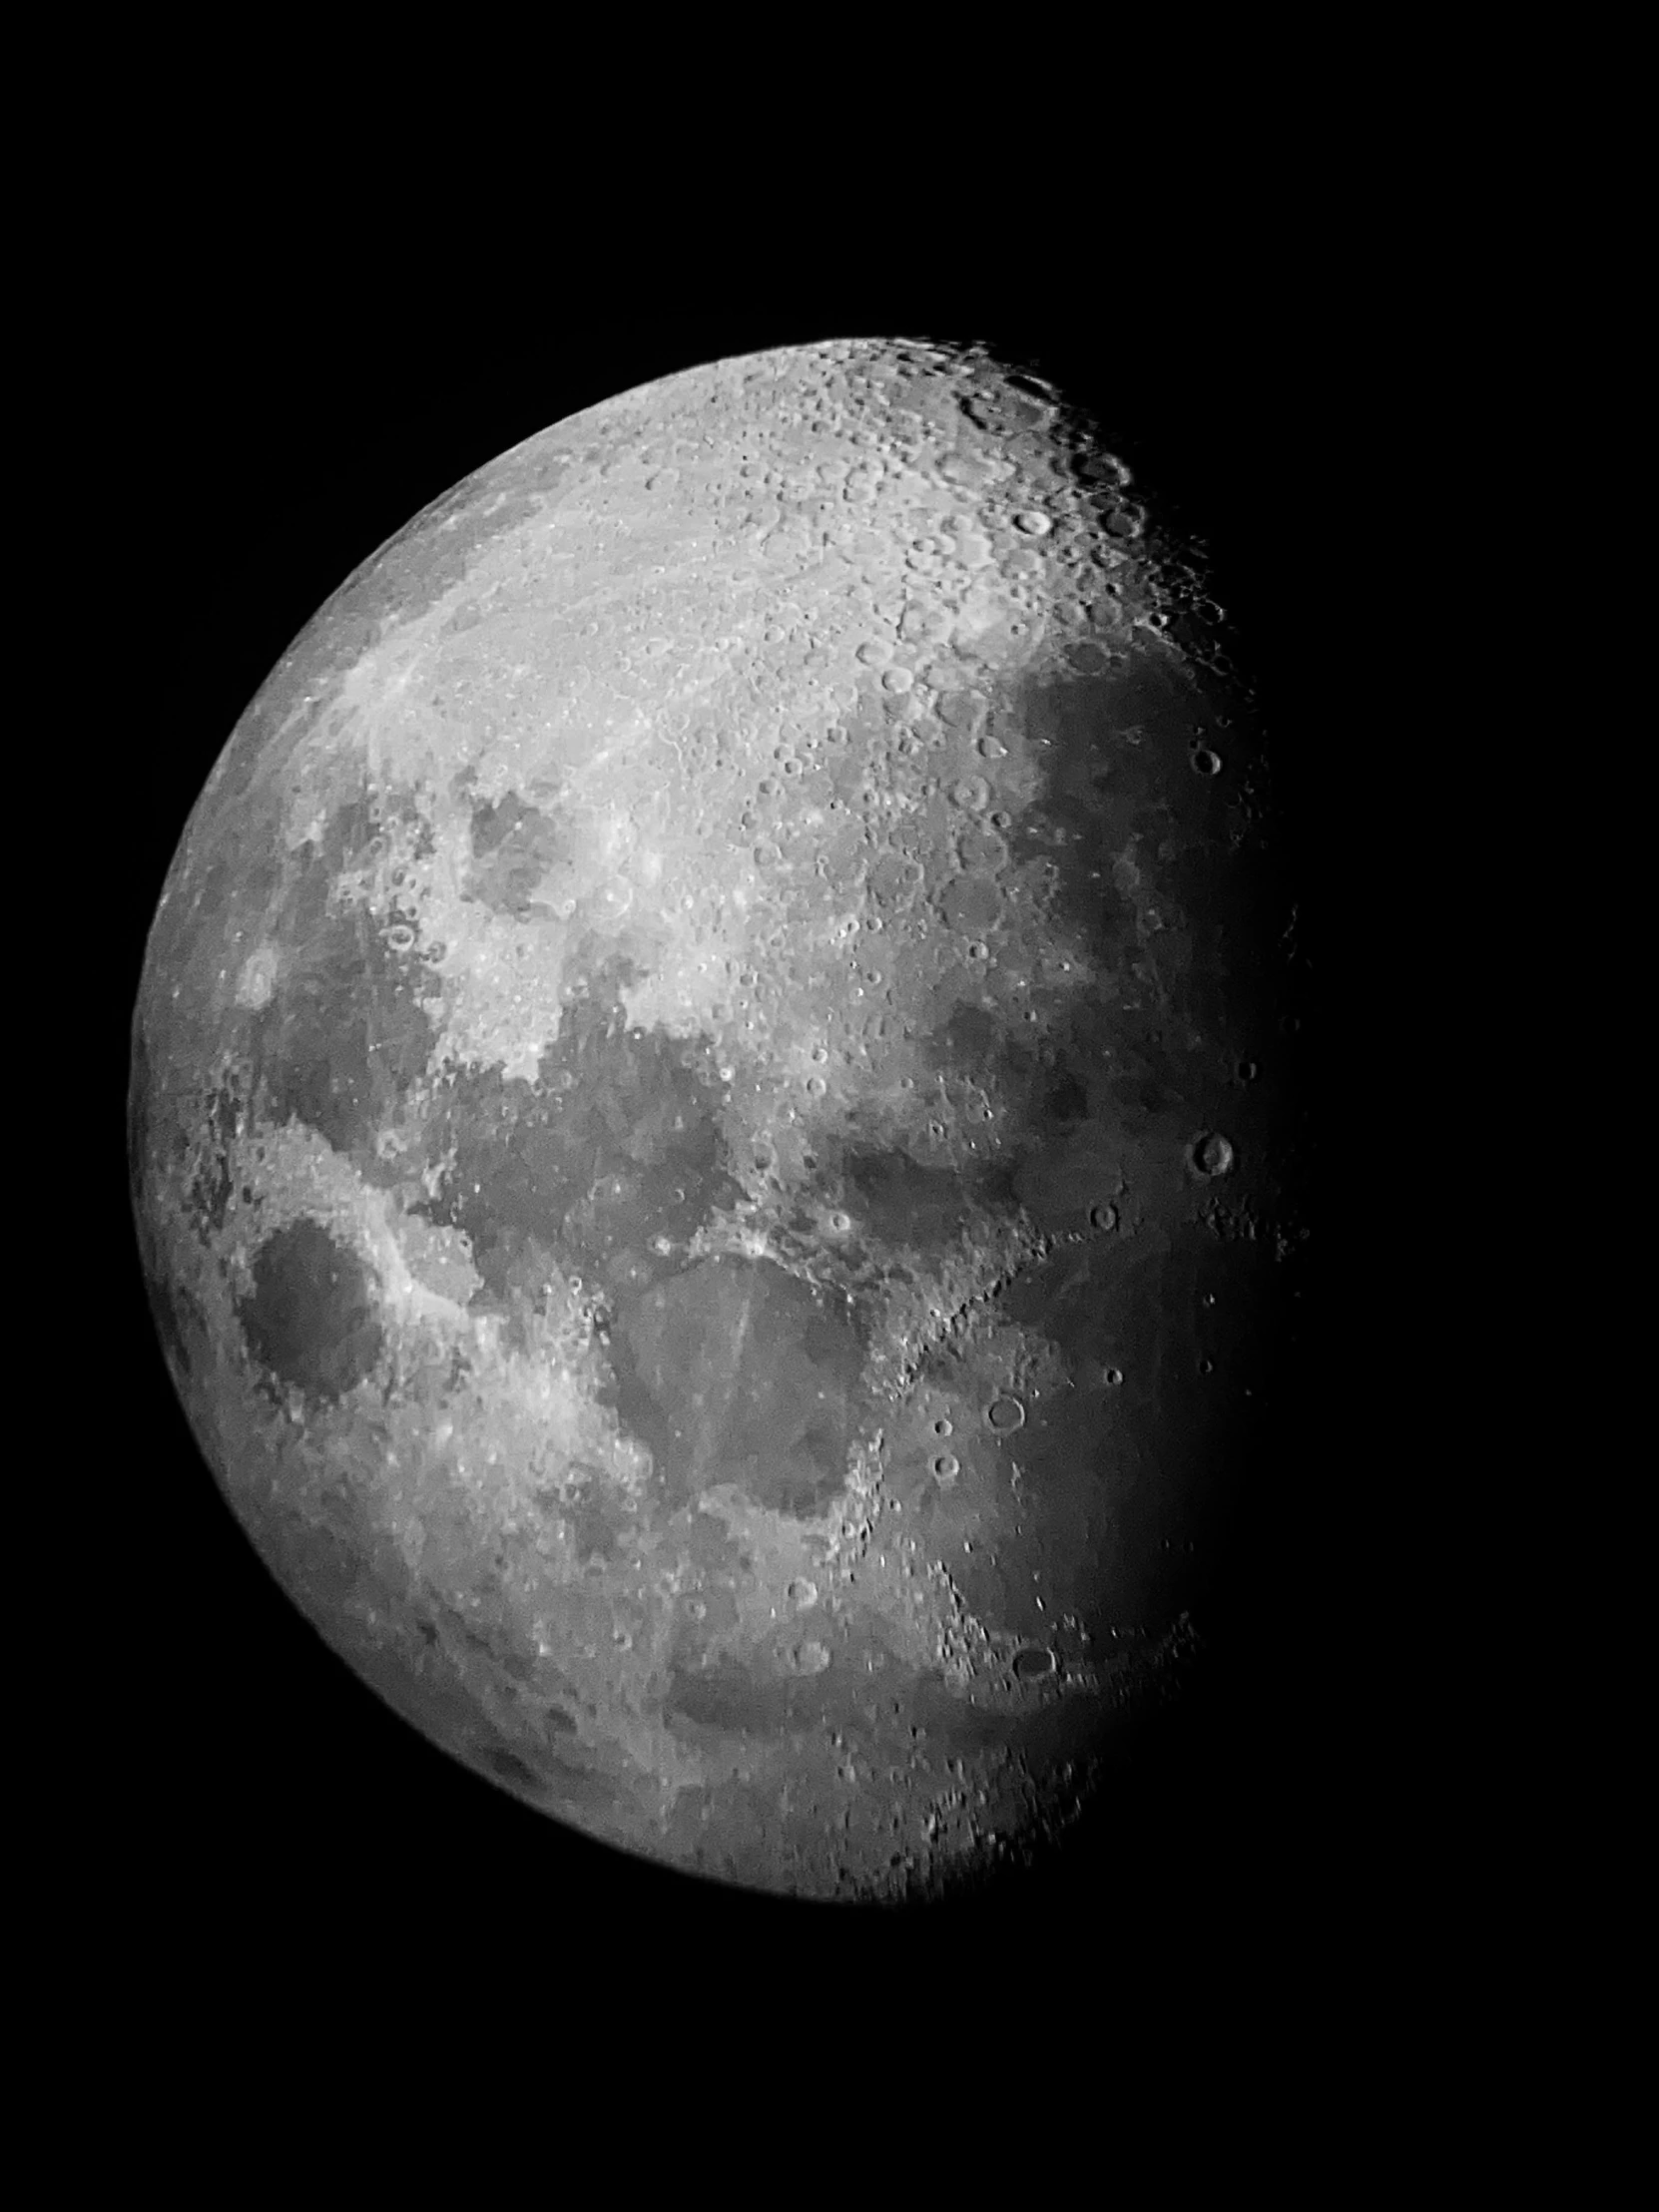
(268, 457)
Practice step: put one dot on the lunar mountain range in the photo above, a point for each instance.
(695, 1121)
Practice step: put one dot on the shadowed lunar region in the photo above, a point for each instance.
(696, 1136)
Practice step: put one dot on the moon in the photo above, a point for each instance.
(695, 1129)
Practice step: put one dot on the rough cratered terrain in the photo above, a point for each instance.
(687, 1121)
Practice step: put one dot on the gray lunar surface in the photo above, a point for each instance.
(690, 1117)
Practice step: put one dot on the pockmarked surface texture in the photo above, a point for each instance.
(690, 1118)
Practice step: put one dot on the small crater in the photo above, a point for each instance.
(962, 711)
(971, 903)
(611, 898)
(507, 1766)
(258, 977)
(1031, 1665)
(979, 852)
(1005, 1414)
(1210, 1155)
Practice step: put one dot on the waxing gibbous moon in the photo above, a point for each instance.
(688, 1137)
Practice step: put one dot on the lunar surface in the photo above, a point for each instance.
(693, 1129)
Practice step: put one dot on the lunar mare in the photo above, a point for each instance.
(686, 1128)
